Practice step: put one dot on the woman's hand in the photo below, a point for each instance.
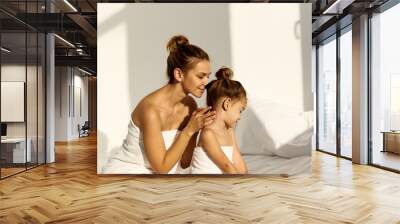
(199, 118)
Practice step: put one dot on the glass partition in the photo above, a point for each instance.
(13, 109)
(41, 91)
(22, 77)
(31, 100)
(327, 96)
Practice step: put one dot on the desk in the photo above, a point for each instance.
(15, 148)
(391, 141)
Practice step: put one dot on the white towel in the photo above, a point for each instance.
(202, 164)
(131, 158)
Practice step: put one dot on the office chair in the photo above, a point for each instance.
(84, 130)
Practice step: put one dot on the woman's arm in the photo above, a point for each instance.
(238, 161)
(215, 153)
(161, 159)
(188, 153)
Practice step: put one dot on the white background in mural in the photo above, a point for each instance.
(268, 46)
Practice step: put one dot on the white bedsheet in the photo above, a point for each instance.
(265, 164)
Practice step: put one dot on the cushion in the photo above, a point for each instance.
(271, 128)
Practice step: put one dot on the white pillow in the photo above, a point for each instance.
(271, 128)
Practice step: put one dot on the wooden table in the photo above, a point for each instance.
(391, 141)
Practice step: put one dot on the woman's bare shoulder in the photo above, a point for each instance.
(146, 108)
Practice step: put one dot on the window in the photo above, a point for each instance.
(346, 93)
(327, 96)
(385, 88)
(395, 102)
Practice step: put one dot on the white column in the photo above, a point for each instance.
(50, 99)
(50, 92)
(360, 90)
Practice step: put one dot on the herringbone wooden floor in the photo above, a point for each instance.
(70, 191)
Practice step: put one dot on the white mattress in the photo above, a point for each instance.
(264, 164)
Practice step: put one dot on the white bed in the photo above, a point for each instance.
(264, 164)
(275, 138)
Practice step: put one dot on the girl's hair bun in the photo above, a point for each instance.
(176, 41)
(224, 86)
(224, 73)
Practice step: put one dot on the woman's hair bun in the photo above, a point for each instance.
(176, 41)
(224, 73)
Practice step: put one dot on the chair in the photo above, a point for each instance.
(84, 130)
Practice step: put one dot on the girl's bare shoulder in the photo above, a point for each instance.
(206, 134)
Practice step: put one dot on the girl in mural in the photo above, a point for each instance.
(217, 151)
(163, 128)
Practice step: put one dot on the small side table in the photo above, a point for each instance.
(391, 141)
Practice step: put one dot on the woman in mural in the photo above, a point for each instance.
(163, 127)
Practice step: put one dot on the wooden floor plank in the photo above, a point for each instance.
(70, 191)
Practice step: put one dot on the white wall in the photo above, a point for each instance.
(61, 103)
(68, 83)
(267, 45)
(272, 57)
